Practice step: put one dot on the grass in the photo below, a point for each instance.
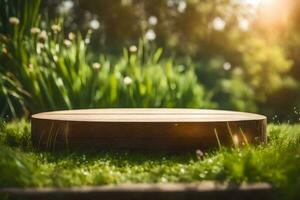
(277, 163)
(44, 67)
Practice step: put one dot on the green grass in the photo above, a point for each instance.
(277, 163)
(49, 70)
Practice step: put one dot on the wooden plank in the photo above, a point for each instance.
(176, 191)
(145, 129)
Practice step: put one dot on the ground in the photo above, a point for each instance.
(277, 163)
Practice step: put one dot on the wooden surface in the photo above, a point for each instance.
(174, 191)
(146, 129)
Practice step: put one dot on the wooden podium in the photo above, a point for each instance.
(146, 129)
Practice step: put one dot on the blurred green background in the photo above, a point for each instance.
(223, 54)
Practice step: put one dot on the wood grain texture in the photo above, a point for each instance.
(145, 129)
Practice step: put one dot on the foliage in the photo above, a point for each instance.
(16, 134)
(58, 72)
(265, 66)
(276, 162)
(56, 62)
(15, 169)
(12, 57)
(211, 34)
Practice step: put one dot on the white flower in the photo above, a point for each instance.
(181, 6)
(127, 80)
(96, 65)
(43, 37)
(65, 7)
(94, 24)
(132, 48)
(71, 36)
(68, 4)
(14, 20)
(87, 40)
(226, 66)
(67, 43)
(39, 47)
(150, 35)
(55, 28)
(35, 30)
(219, 24)
(152, 20)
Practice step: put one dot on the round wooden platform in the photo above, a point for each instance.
(146, 129)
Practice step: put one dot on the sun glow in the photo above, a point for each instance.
(270, 14)
(274, 11)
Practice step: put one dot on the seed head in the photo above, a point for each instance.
(56, 28)
(152, 20)
(94, 24)
(150, 35)
(96, 65)
(226, 66)
(43, 37)
(67, 43)
(35, 30)
(14, 21)
(39, 47)
(71, 36)
(87, 40)
(127, 80)
(132, 48)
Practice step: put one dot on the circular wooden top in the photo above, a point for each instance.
(148, 115)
